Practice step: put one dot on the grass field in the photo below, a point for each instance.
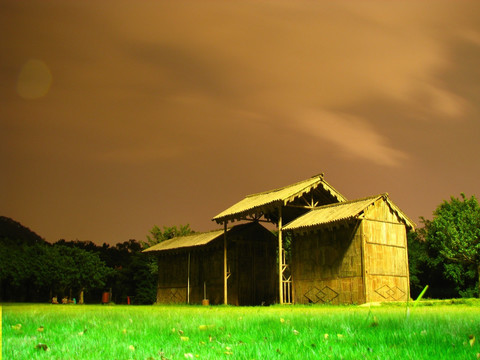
(441, 331)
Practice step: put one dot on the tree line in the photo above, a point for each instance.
(33, 270)
(443, 253)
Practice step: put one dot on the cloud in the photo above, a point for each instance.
(212, 92)
(441, 101)
(353, 136)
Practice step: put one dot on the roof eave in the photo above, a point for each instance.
(330, 224)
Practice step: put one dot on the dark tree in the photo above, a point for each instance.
(453, 241)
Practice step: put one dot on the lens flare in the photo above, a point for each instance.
(34, 80)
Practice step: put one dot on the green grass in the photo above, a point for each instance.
(440, 331)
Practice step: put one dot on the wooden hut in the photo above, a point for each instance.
(350, 252)
(342, 251)
(279, 206)
(191, 267)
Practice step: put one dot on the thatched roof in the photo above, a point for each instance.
(345, 211)
(269, 201)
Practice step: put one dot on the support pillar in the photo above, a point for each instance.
(225, 275)
(188, 279)
(280, 257)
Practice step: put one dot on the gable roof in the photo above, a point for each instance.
(269, 200)
(350, 210)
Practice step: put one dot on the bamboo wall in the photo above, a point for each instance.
(251, 263)
(327, 266)
(361, 262)
(173, 276)
(254, 281)
(386, 255)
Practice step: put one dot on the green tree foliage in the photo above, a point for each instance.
(425, 269)
(416, 261)
(132, 276)
(445, 252)
(12, 268)
(34, 270)
(454, 237)
(78, 269)
(157, 235)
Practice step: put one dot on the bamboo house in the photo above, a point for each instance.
(351, 253)
(341, 251)
(191, 267)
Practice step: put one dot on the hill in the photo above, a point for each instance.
(16, 232)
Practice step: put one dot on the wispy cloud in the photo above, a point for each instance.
(350, 136)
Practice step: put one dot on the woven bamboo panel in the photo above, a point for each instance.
(381, 211)
(386, 288)
(172, 295)
(385, 260)
(327, 267)
(172, 271)
(327, 255)
(385, 233)
(386, 264)
(334, 291)
(385, 248)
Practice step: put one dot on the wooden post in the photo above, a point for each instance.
(280, 257)
(225, 278)
(363, 252)
(404, 232)
(188, 279)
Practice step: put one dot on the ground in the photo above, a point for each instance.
(432, 330)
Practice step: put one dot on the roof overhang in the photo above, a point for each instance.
(269, 201)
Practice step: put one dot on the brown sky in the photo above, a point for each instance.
(118, 115)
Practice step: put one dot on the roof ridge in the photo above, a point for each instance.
(319, 176)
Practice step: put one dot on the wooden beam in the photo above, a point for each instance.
(306, 201)
(225, 278)
(382, 221)
(256, 217)
(386, 245)
(301, 206)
